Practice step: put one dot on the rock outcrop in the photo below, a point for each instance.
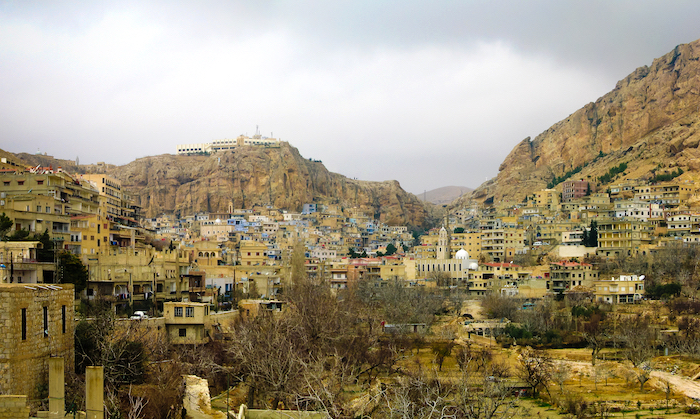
(650, 121)
(250, 176)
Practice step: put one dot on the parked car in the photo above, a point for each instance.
(139, 315)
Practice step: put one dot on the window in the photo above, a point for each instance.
(63, 319)
(178, 312)
(20, 182)
(38, 208)
(40, 182)
(6, 183)
(46, 322)
(182, 332)
(24, 324)
(189, 312)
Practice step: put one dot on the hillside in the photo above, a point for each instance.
(444, 195)
(649, 121)
(247, 177)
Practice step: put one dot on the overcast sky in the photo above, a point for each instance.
(430, 93)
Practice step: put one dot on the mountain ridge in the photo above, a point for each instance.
(649, 121)
(246, 177)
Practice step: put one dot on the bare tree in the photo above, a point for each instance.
(535, 369)
(640, 338)
(441, 350)
(265, 349)
(498, 306)
(560, 373)
(473, 396)
(595, 332)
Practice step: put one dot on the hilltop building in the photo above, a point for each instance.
(226, 145)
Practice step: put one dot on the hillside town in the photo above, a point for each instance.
(74, 241)
(480, 210)
(516, 248)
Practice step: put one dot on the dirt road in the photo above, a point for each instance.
(680, 384)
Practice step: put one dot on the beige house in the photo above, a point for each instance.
(19, 264)
(185, 322)
(623, 289)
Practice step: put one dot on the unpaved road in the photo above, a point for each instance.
(680, 384)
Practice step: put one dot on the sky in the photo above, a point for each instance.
(429, 93)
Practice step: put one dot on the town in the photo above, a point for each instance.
(75, 244)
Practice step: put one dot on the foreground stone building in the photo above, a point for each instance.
(36, 323)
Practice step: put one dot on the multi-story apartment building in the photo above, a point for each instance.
(623, 289)
(490, 276)
(565, 275)
(88, 235)
(618, 236)
(624, 190)
(670, 194)
(547, 199)
(642, 210)
(469, 241)
(42, 199)
(493, 239)
(681, 222)
(573, 189)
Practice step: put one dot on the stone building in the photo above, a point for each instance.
(36, 323)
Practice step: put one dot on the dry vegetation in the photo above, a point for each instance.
(329, 353)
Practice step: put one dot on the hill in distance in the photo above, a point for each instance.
(444, 195)
(246, 177)
(649, 122)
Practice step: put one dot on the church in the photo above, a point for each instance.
(457, 268)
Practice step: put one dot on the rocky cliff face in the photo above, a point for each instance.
(252, 176)
(650, 121)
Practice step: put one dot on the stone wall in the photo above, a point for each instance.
(26, 345)
(13, 407)
(225, 319)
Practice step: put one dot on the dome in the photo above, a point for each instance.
(462, 254)
(473, 266)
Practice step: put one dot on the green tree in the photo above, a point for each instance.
(5, 226)
(593, 236)
(45, 254)
(352, 253)
(19, 235)
(73, 271)
(390, 249)
(590, 236)
(459, 230)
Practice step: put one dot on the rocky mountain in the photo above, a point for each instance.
(444, 195)
(648, 122)
(251, 176)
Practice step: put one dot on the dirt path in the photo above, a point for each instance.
(680, 384)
